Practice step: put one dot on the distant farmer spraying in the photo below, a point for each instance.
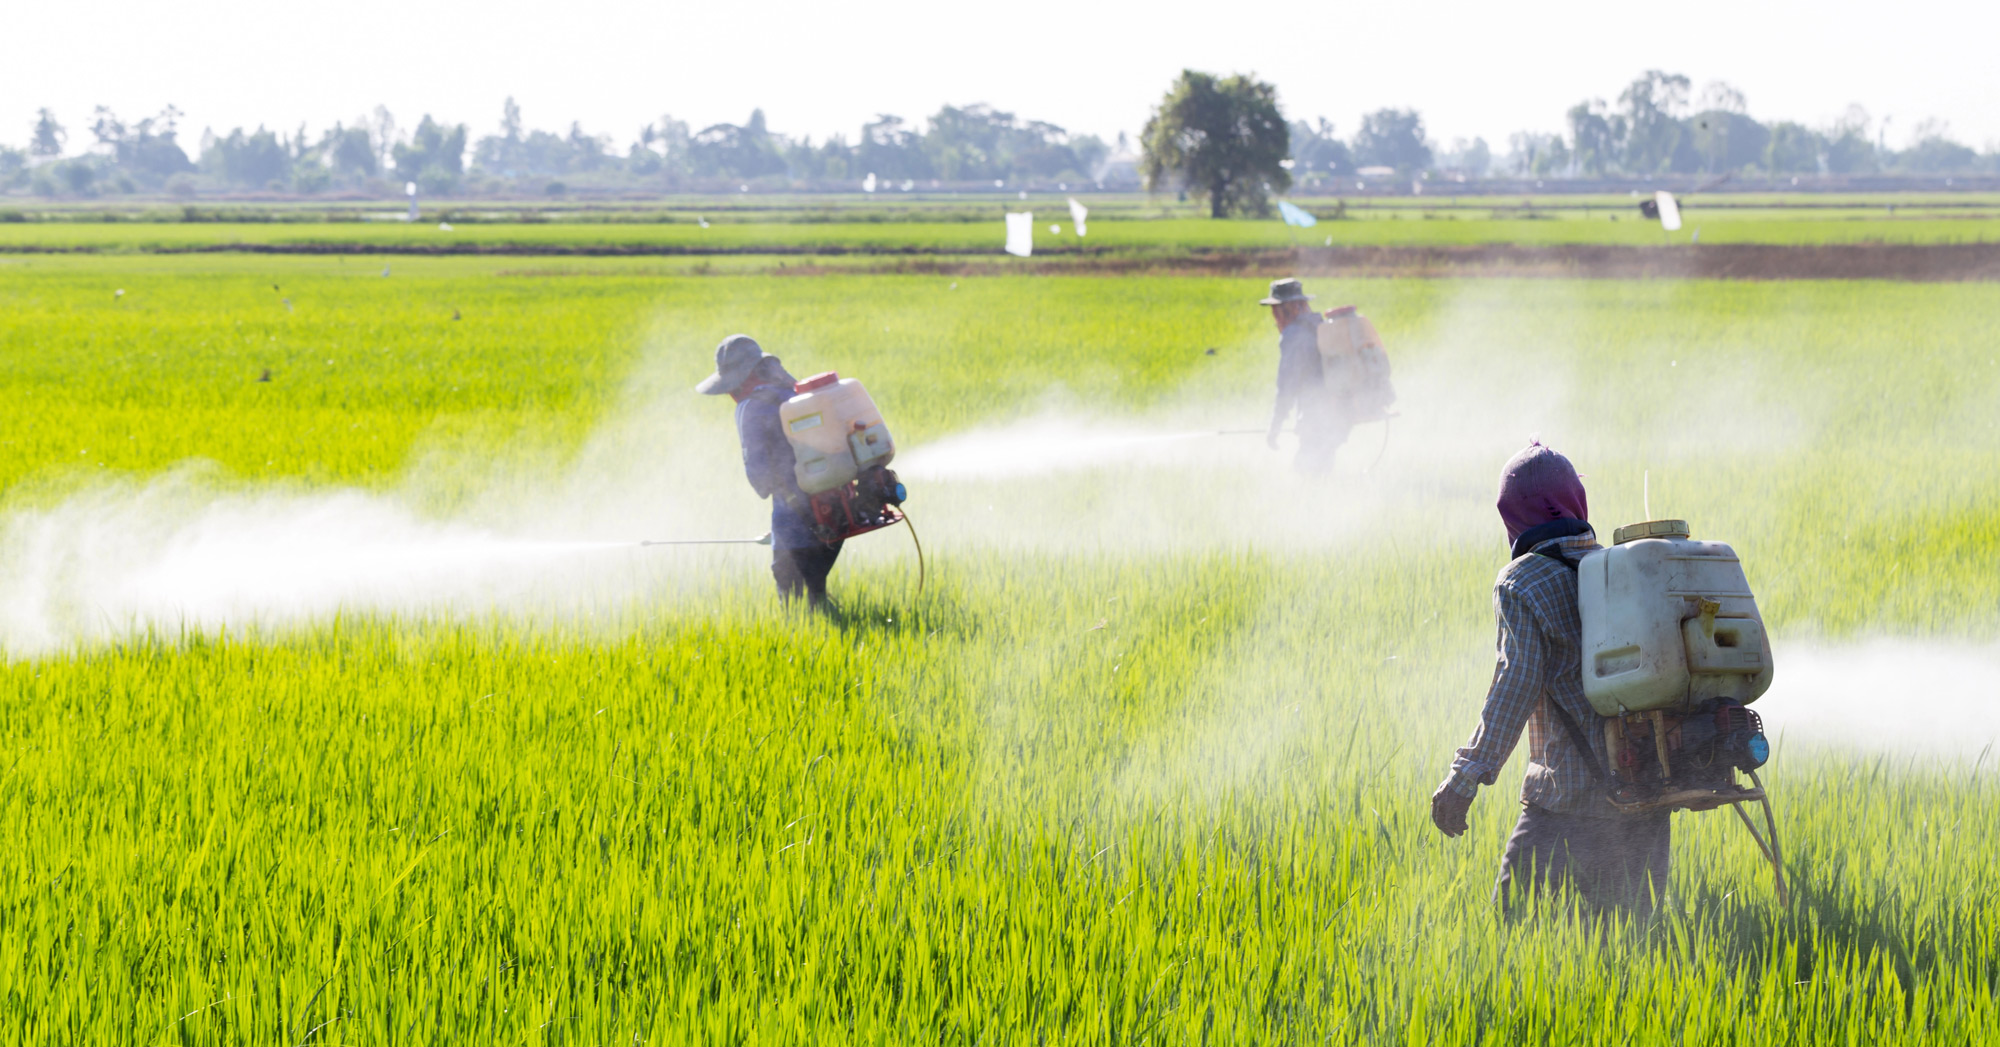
(800, 559)
(1332, 372)
(1569, 831)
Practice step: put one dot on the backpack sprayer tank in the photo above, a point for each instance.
(843, 450)
(1673, 651)
(1354, 365)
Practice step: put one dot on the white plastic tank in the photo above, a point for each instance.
(835, 432)
(1668, 622)
(1355, 365)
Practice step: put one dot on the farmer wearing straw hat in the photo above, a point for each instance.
(800, 559)
(1323, 424)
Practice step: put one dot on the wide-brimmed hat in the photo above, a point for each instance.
(1286, 290)
(735, 359)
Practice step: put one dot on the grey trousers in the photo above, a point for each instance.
(803, 571)
(1617, 863)
(1318, 442)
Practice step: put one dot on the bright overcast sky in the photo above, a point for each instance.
(1472, 67)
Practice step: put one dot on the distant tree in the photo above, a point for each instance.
(835, 159)
(1317, 150)
(1652, 107)
(1718, 96)
(255, 160)
(587, 152)
(1596, 137)
(1038, 149)
(732, 151)
(1794, 149)
(13, 167)
(1392, 138)
(978, 142)
(1225, 139)
(967, 143)
(1934, 152)
(434, 157)
(1727, 140)
(1472, 159)
(1532, 154)
(1939, 155)
(501, 154)
(662, 150)
(519, 153)
(803, 161)
(1091, 152)
(78, 176)
(510, 120)
(146, 151)
(1850, 149)
(349, 153)
(382, 132)
(890, 149)
(311, 171)
(49, 135)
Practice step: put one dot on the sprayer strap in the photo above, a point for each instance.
(1579, 740)
(1576, 736)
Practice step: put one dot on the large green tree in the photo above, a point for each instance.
(1222, 138)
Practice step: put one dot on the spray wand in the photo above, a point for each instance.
(765, 540)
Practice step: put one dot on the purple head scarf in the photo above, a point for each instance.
(1537, 486)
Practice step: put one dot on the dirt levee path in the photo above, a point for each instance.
(1917, 262)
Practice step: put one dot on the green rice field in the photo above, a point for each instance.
(952, 225)
(334, 714)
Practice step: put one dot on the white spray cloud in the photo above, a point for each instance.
(176, 554)
(1889, 695)
(1046, 446)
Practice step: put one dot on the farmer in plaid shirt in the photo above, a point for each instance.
(1568, 832)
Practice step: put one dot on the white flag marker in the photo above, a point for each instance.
(1670, 211)
(1021, 233)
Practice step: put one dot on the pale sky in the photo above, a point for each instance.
(1471, 68)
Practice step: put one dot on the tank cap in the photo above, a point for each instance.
(818, 381)
(1650, 529)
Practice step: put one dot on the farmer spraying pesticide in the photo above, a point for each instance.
(1332, 372)
(1630, 668)
(819, 450)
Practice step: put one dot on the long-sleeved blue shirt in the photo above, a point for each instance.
(1300, 379)
(768, 462)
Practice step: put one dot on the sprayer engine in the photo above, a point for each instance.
(867, 503)
(1666, 760)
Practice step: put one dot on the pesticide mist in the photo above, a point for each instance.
(1479, 370)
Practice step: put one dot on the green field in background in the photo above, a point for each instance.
(958, 230)
(1090, 786)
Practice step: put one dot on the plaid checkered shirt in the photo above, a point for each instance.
(1539, 661)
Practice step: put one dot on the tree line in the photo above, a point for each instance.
(1224, 140)
(958, 144)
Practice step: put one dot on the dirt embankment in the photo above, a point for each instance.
(1915, 262)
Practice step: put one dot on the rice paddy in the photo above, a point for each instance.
(1146, 760)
